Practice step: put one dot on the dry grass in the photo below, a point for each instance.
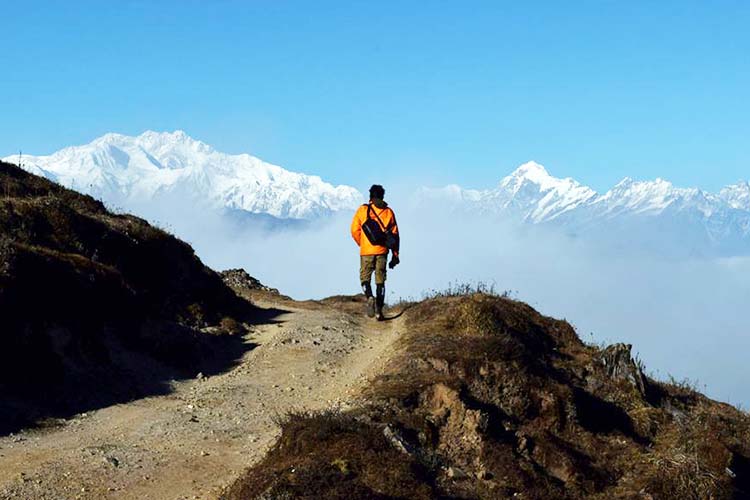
(333, 456)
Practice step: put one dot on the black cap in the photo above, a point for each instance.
(377, 192)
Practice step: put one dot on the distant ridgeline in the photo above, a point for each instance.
(146, 173)
(173, 168)
(651, 216)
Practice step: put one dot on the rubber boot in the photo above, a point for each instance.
(370, 308)
(380, 302)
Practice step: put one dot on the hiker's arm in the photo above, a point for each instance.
(394, 231)
(356, 227)
(395, 259)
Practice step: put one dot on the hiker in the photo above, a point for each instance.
(375, 230)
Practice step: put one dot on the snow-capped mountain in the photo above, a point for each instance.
(737, 196)
(698, 221)
(529, 192)
(125, 171)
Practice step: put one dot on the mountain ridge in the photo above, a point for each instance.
(124, 170)
(171, 169)
(719, 222)
(736, 195)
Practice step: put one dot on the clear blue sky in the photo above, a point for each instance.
(434, 91)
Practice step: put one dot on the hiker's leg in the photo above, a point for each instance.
(380, 299)
(381, 265)
(380, 277)
(366, 268)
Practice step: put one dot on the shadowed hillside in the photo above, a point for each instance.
(486, 398)
(97, 308)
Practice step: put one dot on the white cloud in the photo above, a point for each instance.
(685, 317)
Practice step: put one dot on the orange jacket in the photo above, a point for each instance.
(386, 215)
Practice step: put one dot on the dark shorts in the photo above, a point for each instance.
(373, 263)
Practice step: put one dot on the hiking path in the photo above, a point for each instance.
(197, 439)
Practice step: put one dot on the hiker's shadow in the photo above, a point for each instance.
(398, 314)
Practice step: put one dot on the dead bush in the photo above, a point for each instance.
(231, 326)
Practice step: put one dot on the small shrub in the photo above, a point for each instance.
(463, 289)
(231, 326)
(685, 386)
(477, 315)
(196, 315)
(6, 255)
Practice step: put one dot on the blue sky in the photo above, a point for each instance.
(433, 92)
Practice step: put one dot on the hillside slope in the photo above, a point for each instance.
(486, 398)
(98, 308)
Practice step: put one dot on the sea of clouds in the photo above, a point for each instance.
(685, 316)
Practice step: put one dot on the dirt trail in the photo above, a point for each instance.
(197, 439)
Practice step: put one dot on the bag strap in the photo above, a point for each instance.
(387, 228)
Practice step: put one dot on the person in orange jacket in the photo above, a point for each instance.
(373, 257)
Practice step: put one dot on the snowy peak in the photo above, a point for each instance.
(171, 150)
(654, 197)
(129, 171)
(176, 143)
(531, 171)
(531, 194)
(737, 195)
(639, 194)
(534, 173)
(534, 194)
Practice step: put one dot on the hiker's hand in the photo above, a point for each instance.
(394, 261)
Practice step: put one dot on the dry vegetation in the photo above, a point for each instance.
(486, 398)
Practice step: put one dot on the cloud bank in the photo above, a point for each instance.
(686, 317)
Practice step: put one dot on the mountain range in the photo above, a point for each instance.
(124, 170)
(648, 213)
(127, 171)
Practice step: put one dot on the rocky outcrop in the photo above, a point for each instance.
(620, 365)
(240, 279)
